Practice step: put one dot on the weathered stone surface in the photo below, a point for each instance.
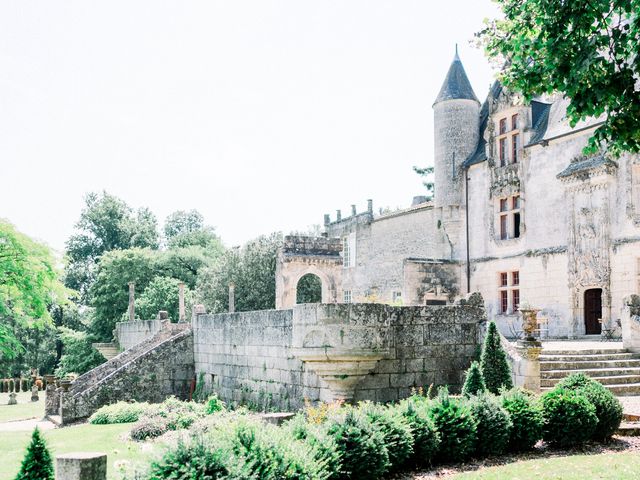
(81, 466)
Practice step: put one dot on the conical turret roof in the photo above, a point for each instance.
(456, 85)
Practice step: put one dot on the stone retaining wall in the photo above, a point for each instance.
(255, 357)
(128, 334)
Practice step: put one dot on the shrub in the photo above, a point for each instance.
(395, 430)
(24, 383)
(474, 382)
(608, 407)
(425, 435)
(493, 362)
(325, 450)
(10, 389)
(214, 404)
(360, 444)
(195, 460)
(173, 405)
(150, 427)
(526, 418)
(1, 386)
(37, 462)
(179, 420)
(121, 412)
(569, 418)
(457, 428)
(493, 425)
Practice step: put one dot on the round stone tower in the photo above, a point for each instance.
(457, 121)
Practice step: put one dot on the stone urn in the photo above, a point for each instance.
(529, 322)
(34, 393)
(65, 384)
(49, 380)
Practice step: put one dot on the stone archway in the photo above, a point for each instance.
(300, 256)
(309, 289)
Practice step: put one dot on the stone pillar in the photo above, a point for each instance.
(34, 393)
(182, 316)
(353, 210)
(51, 397)
(338, 215)
(232, 297)
(527, 368)
(631, 323)
(81, 466)
(132, 298)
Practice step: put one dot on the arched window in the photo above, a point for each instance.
(309, 289)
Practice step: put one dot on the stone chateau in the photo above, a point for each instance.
(519, 214)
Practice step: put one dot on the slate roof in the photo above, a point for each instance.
(480, 154)
(539, 120)
(585, 164)
(456, 85)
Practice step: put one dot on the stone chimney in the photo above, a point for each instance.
(338, 215)
(353, 210)
(327, 219)
(370, 206)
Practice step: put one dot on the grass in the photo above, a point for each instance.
(25, 408)
(618, 466)
(80, 438)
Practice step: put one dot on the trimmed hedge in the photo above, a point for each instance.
(457, 427)
(526, 417)
(493, 425)
(426, 437)
(569, 418)
(608, 407)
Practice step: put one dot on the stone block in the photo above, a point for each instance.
(81, 466)
(402, 379)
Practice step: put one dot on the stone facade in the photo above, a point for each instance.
(128, 334)
(520, 214)
(276, 359)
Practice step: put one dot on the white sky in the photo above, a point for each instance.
(263, 115)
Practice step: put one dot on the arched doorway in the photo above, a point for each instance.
(309, 289)
(593, 311)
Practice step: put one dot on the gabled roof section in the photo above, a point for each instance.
(539, 121)
(456, 85)
(580, 167)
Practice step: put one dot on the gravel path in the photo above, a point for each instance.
(27, 425)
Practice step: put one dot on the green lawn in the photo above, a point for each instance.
(24, 410)
(81, 438)
(614, 466)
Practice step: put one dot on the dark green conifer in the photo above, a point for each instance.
(37, 463)
(473, 383)
(493, 362)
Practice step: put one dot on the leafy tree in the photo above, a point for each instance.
(184, 229)
(185, 263)
(493, 362)
(28, 284)
(37, 463)
(106, 223)
(252, 268)
(110, 292)
(473, 383)
(428, 182)
(587, 51)
(79, 356)
(160, 294)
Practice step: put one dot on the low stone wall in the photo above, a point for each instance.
(128, 334)
(277, 359)
(164, 369)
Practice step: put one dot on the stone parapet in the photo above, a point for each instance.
(81, 466)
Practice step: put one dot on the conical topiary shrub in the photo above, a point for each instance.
(37, 464)
(493, 362)
(473, 383)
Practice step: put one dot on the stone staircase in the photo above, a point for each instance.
(616, 368)
(107, 350)
(149, 371)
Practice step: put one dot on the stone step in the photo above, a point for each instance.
(597, 351)
(593, 364)
(595, 373)
(620, 390)
(613, 380)
(590, 357)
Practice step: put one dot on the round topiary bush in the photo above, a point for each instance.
(608, 407)
(526, 417)
(493, 425)
(426, 437)
(360, 445)
(395, 430)
(150, 427)
(194, 460)
(569, 418)
(457, 428)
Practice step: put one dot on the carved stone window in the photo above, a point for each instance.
(508, 292)
(508, 140)
(509, 217)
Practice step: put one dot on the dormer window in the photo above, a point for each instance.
(508, 140)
